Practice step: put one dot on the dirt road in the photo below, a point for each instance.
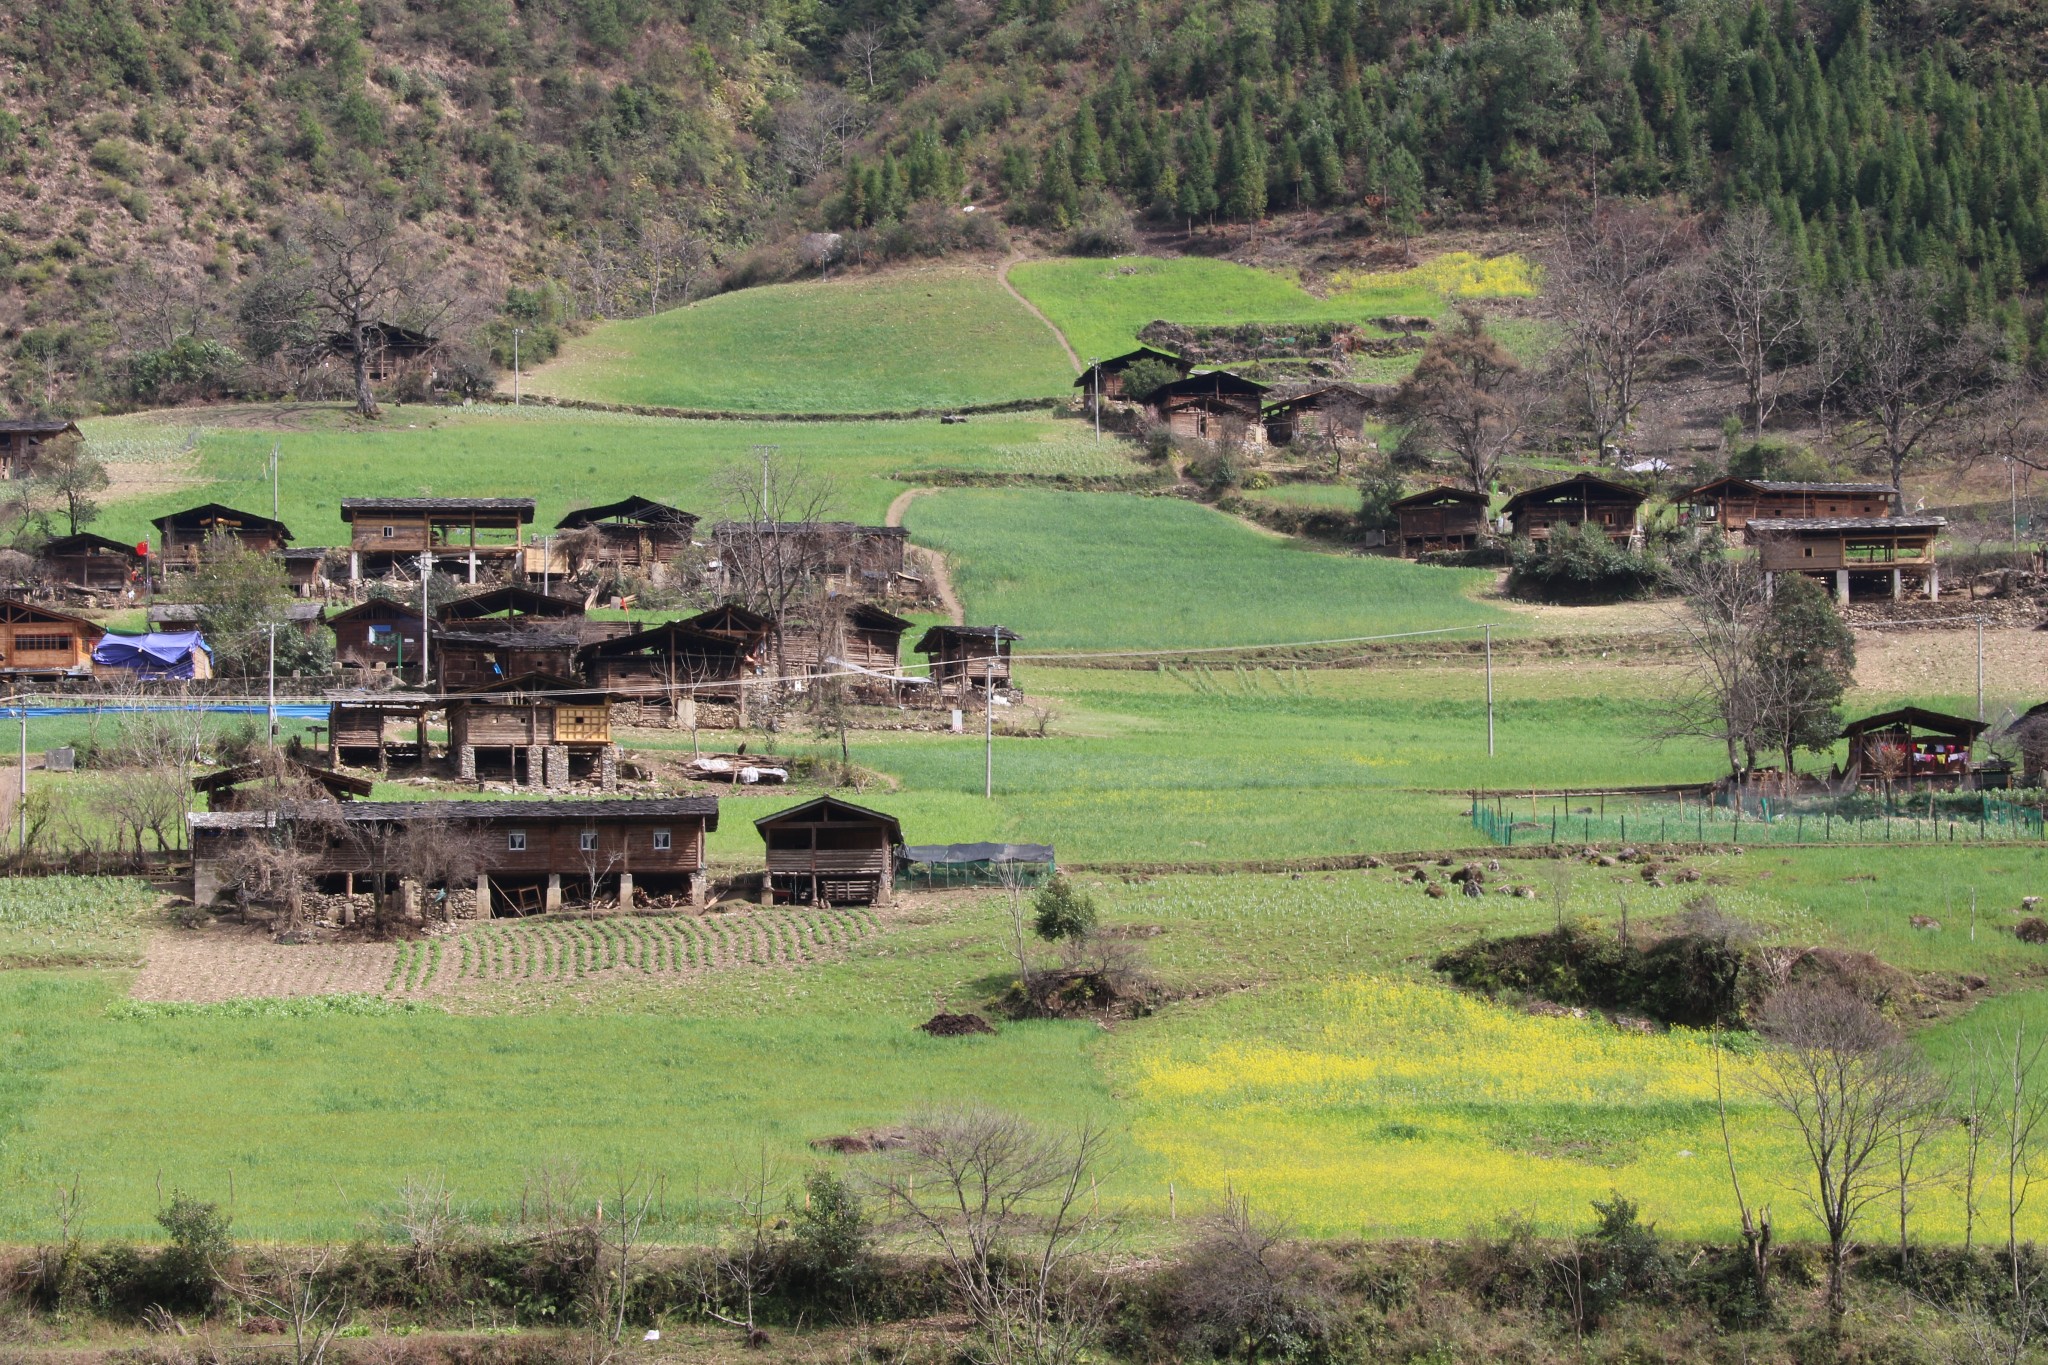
(934, 562)
(1003, 274)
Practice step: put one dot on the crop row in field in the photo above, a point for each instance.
(46, 921)
(553, 951)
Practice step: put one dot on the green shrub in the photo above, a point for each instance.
(1580, 564)
(115, 156)
(200, 1246)
(1698, 978)
(1063, 911)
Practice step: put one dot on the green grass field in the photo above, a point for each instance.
(1310, 1062)
(946, 336)
(1115, 571)
(559, 457)
(1102, 304)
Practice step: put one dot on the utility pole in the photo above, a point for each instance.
(426, 574)
(273, 480)
(988, 733)
(271, 672)
(1980, 668)
(1095, 383)
(1489, 691)
(21, 797)
(515, 365)
(547, 564)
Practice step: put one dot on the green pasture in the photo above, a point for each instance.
(948, 336)
(561, 458)
(1102, 571)
(1101, 305)
(1308, 1060)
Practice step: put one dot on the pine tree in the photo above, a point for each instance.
(1059, 199)
(1087, 150)
(1401, 188)
(1198, 168)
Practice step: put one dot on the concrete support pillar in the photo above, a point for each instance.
(557, 767)
(348, 899)
(536, 766)
(767, 896)
(625, 891)
(465, 761)
(1934, 582)
(483, 895)
(472, 564)
(608, 768)
(1898, 584)
(554, 900)
(205, 881)
(699, 884)
(355, 566)
(1842, 586)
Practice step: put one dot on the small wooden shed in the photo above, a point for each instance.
(391, 350)
(844, 556)
(967, 658)
(1109, 374)
(377, 635)
(1583, 499)
(541, 729)
(1885, 553)
(670, 663)
(829, 852)
(509, 604)
(305, 569)
(631, 535)
(465, 660)
(1913, 747)
(1211, 405)
(1443, 518)
(224, 788)
(1333, 412)
(183, 537)
(2029, 734)
(1732, 503)
(21, 437)
(859, 634)
(38, 643)
(90, 563)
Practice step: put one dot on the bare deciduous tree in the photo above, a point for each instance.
(1616, 283)
(1747, 292)
(618, 1233)
(772, 557)
(299, 1293)
(1002, 1201)
(1850, 1088)
(1724, 606)
(742, 1267)
(862, 48)
(813, 130)
(1910, 376)
(1467, 391)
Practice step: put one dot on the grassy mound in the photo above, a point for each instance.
(886, 343)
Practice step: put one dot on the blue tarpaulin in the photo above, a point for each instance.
(152, 656)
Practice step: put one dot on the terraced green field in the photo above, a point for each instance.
(945, 336)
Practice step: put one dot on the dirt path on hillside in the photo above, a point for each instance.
(933, 561)
(225, 962)
(1003, 276)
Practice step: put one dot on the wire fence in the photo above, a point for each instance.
(1993, 821)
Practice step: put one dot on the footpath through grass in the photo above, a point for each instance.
(1102, 304)
(561, 458)
(1101, 571)
(930, 338)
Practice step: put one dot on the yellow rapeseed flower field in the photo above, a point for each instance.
(1454, 275)
(1385, 1107)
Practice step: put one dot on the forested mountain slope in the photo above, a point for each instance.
(605, 157)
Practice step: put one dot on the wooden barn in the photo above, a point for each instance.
(631, 536)
(183, 537)
(306, 570)
(360, 728)
(227, 788)
(535, 855)
(829, 852)
(1441, 519)
(1912, 747)
(1880, 553)
(37, 643)
(540, 730)
(669, 665)
(1333, 413)
(965, 659)
(1211, 405)
(856, 634)
(2029, 735)
(89, 563)
(842, 556)
(461, 534)
(378, 635)
(1109, 374)
(393, 350)
(466, 660)
(1580, 500)
(1732, 503)
(22, 437)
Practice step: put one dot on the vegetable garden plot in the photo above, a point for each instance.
(561, 951)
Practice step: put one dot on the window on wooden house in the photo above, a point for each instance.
(587, 841)
(515, 841)
(662, 842)
(390, 532)
(42, 644)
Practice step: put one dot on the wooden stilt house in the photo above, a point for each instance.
(1441, 519)
(967, 658)
(183, 537)
(829, 852)
(89, 563)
